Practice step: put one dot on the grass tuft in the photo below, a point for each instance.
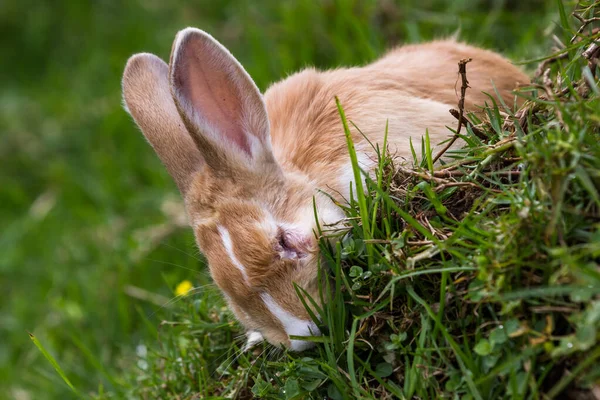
(52, 361)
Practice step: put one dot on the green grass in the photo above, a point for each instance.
(479, 291)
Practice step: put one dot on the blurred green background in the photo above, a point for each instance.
(88, 242)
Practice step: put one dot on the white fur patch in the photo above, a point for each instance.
(329, 215)
(292, 325)
(268, 224)
(365, 162)
(228, 244)
(253, 338)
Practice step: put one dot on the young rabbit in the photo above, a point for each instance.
(248, 166)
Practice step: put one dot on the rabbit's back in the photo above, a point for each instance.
(411, 89)
(430, 70)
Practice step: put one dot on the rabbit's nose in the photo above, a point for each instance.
(308, 329)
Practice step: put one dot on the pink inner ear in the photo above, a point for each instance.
(209, 85)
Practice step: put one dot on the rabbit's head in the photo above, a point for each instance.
(254, 222)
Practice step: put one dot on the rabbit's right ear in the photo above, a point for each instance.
(148, 99)
(219, 103)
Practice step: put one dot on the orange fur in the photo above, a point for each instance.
(249, 166)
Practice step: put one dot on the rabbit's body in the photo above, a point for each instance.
(412, 89)
(249, 167)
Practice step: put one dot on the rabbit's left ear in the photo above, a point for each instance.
(148, 99)
(219, 103)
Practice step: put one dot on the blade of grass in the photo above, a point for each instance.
(428, 152)
(350, 356)
(460, 356)
(568, 378)
(358, 181)
(52, 361)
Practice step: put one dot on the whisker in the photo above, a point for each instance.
(178, 297)
(238, 337)
(276, 353)
(226, 353)
(236, 355)
(176, 265)
(223, 370)
(262, 365)
(181, 251)
(219, 362)
(265, 348)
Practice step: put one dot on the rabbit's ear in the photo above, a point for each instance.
(218, 102)
(148, 99)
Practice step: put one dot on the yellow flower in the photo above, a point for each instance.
(183, 288)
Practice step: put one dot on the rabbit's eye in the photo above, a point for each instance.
(286, 247)
(283, 241)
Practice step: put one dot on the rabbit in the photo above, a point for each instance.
(249, 166)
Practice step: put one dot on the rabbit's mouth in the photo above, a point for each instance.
(292, 326)
(309, 329)
(252, 339)
(255, 337)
